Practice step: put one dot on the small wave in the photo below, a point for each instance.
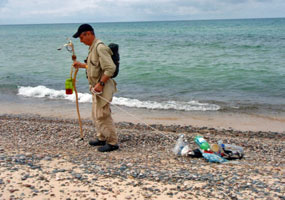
(44, 92)
(166, 105)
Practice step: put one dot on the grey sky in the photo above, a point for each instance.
(55, 11)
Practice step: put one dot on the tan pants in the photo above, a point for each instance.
(104, 123)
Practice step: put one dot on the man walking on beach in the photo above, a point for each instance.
(100, 68)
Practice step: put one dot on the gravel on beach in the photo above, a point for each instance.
(44, 158)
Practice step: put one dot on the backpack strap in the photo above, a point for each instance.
(97, 46)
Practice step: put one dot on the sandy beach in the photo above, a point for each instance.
(41, 156)
(246, 121)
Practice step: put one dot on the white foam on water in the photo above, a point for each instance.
(44, 92)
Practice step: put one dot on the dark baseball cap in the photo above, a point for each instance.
(83, 28)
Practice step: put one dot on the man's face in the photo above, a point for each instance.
(86, 38)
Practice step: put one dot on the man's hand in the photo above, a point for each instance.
(98, 88)
(100, 85)
(77, 64)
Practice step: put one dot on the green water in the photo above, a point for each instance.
(236, 64)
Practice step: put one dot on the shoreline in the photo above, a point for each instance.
(274, 122)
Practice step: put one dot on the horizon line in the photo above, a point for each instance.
(142, 21)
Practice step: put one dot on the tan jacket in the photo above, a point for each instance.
(100, 62)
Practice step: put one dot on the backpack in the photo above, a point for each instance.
(115, 57)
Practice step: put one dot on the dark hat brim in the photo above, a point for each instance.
(76, 35)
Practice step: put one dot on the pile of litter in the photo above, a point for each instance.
(218, 153)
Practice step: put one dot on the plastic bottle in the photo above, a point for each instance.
(202, 143)
(231, 150)
(180, 145)
(68, 86)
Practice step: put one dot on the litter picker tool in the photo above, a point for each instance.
(70, 83)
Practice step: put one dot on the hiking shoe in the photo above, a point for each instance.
(108, 147)
(97, 142)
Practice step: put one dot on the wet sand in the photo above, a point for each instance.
(274, 122)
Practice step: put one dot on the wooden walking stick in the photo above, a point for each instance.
(70, 47)
(75, 90)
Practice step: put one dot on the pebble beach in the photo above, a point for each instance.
(43, 158)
